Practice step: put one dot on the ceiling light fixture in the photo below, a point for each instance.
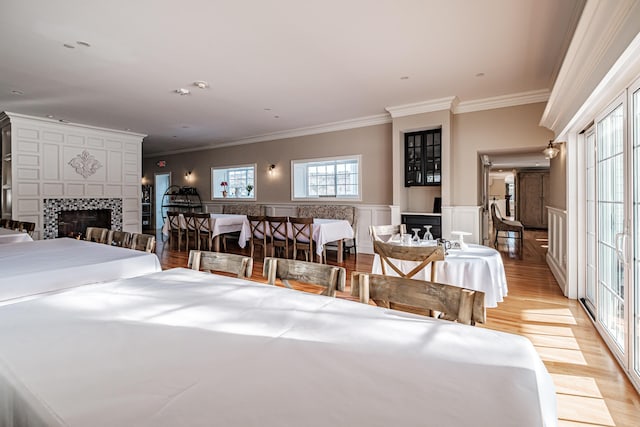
(404, 78)
(17, 92)
(49, 116)
(550, 152)
(85, 44)
(201, 84)
(480, 75)
(182, 91)
(69, 46)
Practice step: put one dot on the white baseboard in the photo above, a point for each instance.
(558, 272)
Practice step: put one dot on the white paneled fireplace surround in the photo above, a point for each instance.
(53, 166)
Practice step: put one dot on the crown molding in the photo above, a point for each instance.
(378, 119)
(602, 31)
(49, 121)
(511, 100)
(422, 107)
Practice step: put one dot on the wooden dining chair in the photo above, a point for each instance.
(259, 234)
(4, 222)
(191, 232)
(424, 255)
(384, 233)
(302, 237)
(96, 234)
(13, 224)
(27, 227)
(421, 297)
(143, 242)
(500, 224)
(119, 238)
(241, 266)
(323, 275)
(175, 230)
(278, 226)
(202, 223)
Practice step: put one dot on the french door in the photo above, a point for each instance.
(612, 228)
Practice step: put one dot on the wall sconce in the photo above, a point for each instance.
(550, 152)
(187, 176)
(271, 168)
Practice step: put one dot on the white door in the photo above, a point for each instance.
(162, 182)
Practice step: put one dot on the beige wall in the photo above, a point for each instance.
(558, 180)
(373, 143)
(501, 129)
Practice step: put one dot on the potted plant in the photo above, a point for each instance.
(224, 185)
(249, 189)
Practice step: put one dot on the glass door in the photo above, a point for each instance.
(610, 226)
(635, 290)
(591, 277)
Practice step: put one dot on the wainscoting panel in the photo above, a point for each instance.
(462, 218)
(557, 251)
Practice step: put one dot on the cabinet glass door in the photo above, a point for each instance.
(610, 208)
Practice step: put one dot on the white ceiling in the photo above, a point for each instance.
(308, 62)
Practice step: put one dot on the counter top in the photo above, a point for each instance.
(421, 213)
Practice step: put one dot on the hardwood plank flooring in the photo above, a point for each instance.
(592, 390)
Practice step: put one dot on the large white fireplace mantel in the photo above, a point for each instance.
(49, 160)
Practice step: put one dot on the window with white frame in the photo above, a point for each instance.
(235, 182)
(329, 178)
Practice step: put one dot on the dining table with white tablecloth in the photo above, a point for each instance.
(31, 268)
(220, 224)
(183, 347)
(8, 235)
(477, 267)
(324, 231)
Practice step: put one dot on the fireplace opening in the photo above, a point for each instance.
(75, 223)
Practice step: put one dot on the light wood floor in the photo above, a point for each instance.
(591, 388)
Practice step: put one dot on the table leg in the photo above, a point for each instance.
(216, 243)
(340, 253)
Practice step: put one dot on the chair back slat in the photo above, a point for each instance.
(384, 233)
(241, 266)
(143, 242)
(96, 234)
(278, 228)
(259, 233)
(326, 276)
(455, 303)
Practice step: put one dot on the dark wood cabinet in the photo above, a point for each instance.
(533, 190)
(419, 221)
(422, 158)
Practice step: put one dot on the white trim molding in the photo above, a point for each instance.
(511, 100)
(462, 218)
(557, 251)
(422, 107)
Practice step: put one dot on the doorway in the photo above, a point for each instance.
(162, 183)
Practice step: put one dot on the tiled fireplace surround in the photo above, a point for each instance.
(53, 206)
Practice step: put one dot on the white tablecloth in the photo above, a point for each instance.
(478, 267)
(31, 268)
(221, 224)
(188, 348)
(13, 236)
(324, 231)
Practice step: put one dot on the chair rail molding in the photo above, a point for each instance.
(557, 251)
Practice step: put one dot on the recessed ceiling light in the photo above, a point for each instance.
(404, 78)
(85, 44)
(69, 46)
(267, 109)
(127, 129)
(537, 164)
(480, 75)
(499, 170)
(201, 84)
(63, 121)
(185, 127)
(276, 117)
(49, 116)
(183, 91)
(17, 92)
(175, 136)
